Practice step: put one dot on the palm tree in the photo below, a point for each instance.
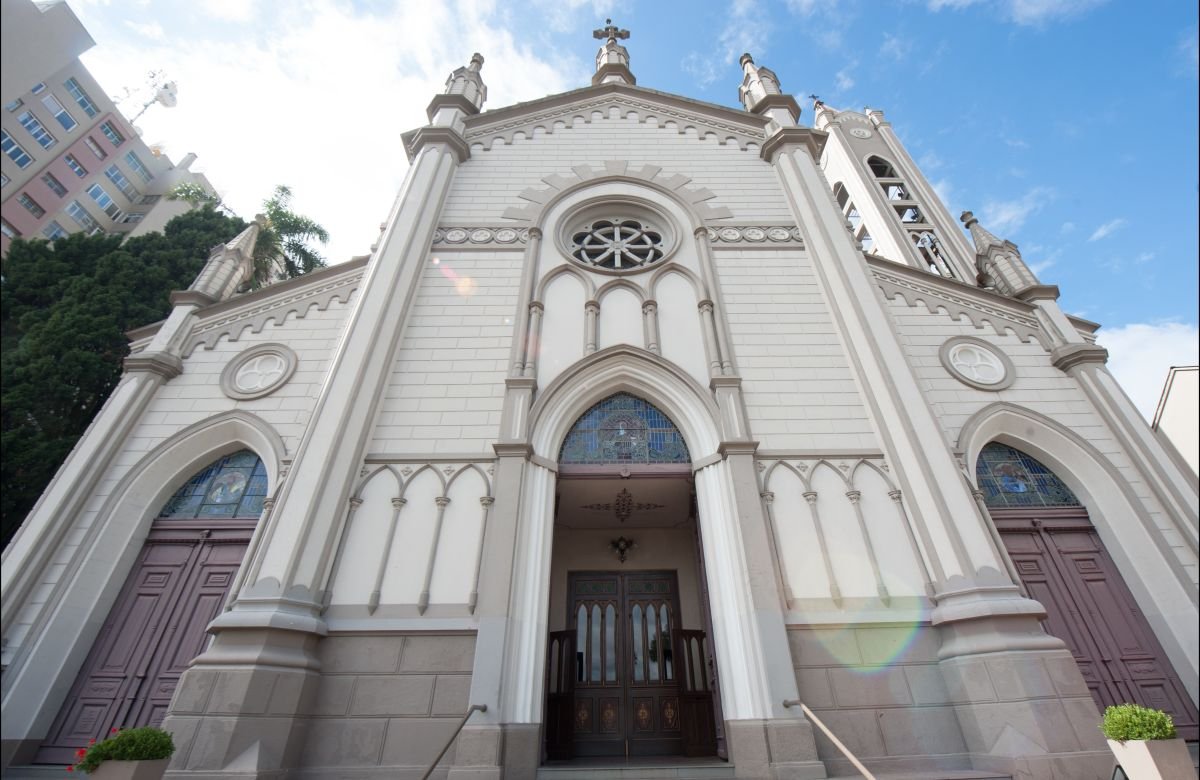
(284, 237)
(287, 236)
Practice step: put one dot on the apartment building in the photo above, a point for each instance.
(71, 161)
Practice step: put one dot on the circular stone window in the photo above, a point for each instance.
(977, 363)
(258, 371)
(617, 243)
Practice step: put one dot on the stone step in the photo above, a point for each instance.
(933, 774)
(680, 769)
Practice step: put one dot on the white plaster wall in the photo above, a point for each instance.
(189, 398)
(621, 319)
(561, 342)
(679, 325)
(799, 390)
(447, 385)
(1038, 386)
(487, 185)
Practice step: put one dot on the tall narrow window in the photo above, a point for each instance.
(38, 88)
(31, 205)
(61, 114)
(112, 133)
(54, 185)
(14, 150)
(77, 212)
(81, 97)
(95, 147)
(76, 167)
(36, 129)
(8, 229)
(138, 166)
(54, 231)
(122, 183)
(105, 202)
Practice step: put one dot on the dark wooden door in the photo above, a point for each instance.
(626, 697)
(695, 693)
(1064, 565)
(560, 695)
(153, 631)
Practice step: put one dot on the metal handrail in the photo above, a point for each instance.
(470, 710)
(836, 742)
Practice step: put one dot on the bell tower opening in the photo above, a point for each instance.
(630, 670)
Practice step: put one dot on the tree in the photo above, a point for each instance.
(285, 237)
(64, 310)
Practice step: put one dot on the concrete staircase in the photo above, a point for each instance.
(634, 769)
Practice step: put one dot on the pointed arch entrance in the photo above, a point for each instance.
(629, 669)
(178, 585)
(1063, 564)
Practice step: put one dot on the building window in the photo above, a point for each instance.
(54, 231)
(13, 106)
(31, 205)
(38, 88)
(138, 167)
(81, 97)
(14, 150)
(1010, 478)
(105, 202)
(858, 228)
(77, 212)
(150, 200)
(234, 486)
(134, 217)
(619, 244)
(74, 164)
(881, 168)
(123, 184)
(61, 114)
(8, 229)
(54, 185)
(624, 429)
(95, 147)
(111, 133)
(36, 129)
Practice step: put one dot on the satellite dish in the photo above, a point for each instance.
(167, 95)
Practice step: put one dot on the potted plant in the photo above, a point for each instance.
(1143, 740)
(127, 754)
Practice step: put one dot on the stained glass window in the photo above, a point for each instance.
(1010, 478)
(231, 487)
(624, 429)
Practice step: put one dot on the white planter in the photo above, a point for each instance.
(1158, 759)
(132, 770)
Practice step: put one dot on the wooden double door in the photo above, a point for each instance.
(153, 631)
(1063, 564)
(625, 679)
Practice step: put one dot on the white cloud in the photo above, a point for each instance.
(895, 47)
(843, 80)
(945, 192)
(152, 30)
(1044, 263)
(1067, 228)
(1140, 354)
(745, 31)
(1007, 216)
(288, 104)
(565, 15)
(229, 10)
(1026, 12)
(1108, 228)
(1189, 54)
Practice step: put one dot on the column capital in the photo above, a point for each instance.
(416, 140)
(787, 138)
(161, 363)
(1069, 356)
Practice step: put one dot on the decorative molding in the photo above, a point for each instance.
(621, 547)
(745, 135)
(762, 235)
(623, 506)
(787, 138)
(461, 102)
(232, 381)
(609, 170)
(1008, 370)
(165, 365)
(416, 140)
(464, 237)
(970, 303)
(191, 298)
(1066, 357)
(234, 324)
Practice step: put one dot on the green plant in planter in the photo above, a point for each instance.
(146, 743)
(1126, 722)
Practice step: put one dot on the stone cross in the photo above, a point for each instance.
(611, 32)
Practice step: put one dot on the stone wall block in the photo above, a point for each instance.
(333, 695)
(926, 731)
(1015, 679)
(438, 654)
(415, 741)
(360, 654)
(870, 687)
(857, 729)
(183, 734)
(238, 692)
(926, 685)
(967, 680)
(1065, 675)
(1085, 718)
(227, 743)
(478, 746)
(291, 695)
(893, 645)
(814, 687)
(193, 691)
(450, 694)
(398, 695)
(344, 742)
(823, 647)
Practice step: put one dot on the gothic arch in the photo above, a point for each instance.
(589, 287)
(674, 268)
(113, 543)
(1164, 593)
(487, 482)
(623, 368)
(370, 477)
(620, 284)
(784, 465)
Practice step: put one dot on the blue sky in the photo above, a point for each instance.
(1068, 126)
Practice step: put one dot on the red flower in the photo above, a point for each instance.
(114, 730)
(70, 769)
(81, 753)
(92, 741)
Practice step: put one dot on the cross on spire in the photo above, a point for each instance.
(611, 32)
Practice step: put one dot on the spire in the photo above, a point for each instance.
(229, 266)
(612, 60)
(760, 93)
(1001, 267)
(465, 91)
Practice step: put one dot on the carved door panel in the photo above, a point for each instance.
(1092, 610)
(560, 695)
(651, 607)
(695, 693)
(598, 717)
(154, 629)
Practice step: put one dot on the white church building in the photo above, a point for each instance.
(651, 433)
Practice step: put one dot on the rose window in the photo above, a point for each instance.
(260, 373)
(619, 244)
(977, 363)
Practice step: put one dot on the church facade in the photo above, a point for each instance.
(649, 429)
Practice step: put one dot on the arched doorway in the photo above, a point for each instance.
(629, 669)
(156, 627)
(1064, 565)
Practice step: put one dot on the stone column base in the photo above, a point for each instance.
(773, 749)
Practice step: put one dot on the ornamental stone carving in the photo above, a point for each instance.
(765, 235)
(258, 371)
(479, 236)
(977, 363)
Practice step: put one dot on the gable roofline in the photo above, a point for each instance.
(751, 124)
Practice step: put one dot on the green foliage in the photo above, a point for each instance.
(64, 311)
(287, 236)
(1130, 721)
(141, 744)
